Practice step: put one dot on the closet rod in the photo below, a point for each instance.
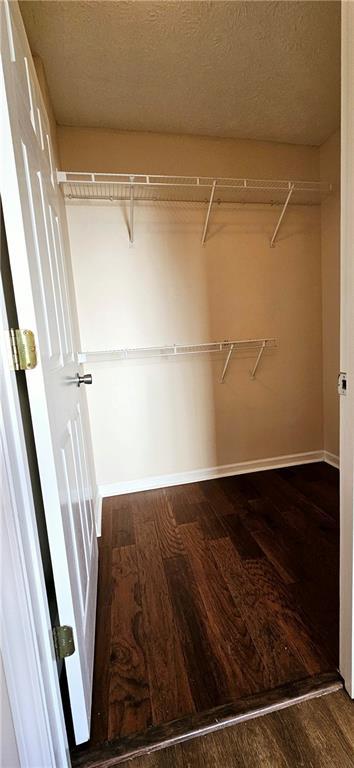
(135, 353)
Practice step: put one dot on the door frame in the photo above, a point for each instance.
(26, 636)
(346, 589)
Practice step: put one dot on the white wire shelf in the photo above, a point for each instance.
(117, 186)
(133, 188)
(136, 353)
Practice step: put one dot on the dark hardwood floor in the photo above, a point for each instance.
(212, 592)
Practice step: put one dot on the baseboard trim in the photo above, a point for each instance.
(331, 458)
(98, 513)
(209, 473)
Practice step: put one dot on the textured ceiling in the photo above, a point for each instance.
(258, 70)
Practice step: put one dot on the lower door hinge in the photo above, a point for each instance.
(342, 383)
(63, 638)
(23, 348)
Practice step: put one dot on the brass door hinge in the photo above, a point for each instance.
(63, 638)
(23, 348)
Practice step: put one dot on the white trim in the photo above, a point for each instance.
(331, 458)
(346, 579)
(98, 514)
(208, 473)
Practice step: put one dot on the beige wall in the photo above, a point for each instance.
(87, 149)
(330, 249)
(164, 417)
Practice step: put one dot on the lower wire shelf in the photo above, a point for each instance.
(167, 351)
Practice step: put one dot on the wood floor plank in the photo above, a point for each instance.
(280, 663)
(129, 693)
(213, 491)
(317, 722)
(244, 542)
(262, 523)
(206, 677)
(273, 485)
(209, 522)
(169, 539)
(241, 489)
(284, 611)
(122, 525)
(170, 692)
(106, 524)
(146, 504)
(319, 609)
(229, 636)
(192, 493)
(322, 492)
(342, 714)
(183, 511)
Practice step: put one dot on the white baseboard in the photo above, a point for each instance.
(331, 458)
(98, 513)
(209, 473)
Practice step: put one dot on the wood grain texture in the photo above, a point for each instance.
(129, 693)
(171, 696)
(228, 633)
(122, 525)
(211, 593)
(280, 662)
(167, 532)
(193, 628)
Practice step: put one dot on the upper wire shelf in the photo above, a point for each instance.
(137, 187)
(117, 186)
(136, 353)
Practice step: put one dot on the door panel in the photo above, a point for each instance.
(33, 214)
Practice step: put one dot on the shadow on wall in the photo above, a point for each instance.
(157, 417)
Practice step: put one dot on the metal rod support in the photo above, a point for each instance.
(227, 363)
(131, 215)
(260, 353)
(287, 201)
(208, 212)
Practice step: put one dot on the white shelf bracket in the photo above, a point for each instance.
(131, 212)
(227, 361)
(259, 357)
(208, 213)
(287, 201)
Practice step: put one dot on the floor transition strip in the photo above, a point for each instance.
(111, 754)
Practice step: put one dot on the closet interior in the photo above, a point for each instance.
(206, 273)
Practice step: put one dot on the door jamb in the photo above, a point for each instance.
(346, 641)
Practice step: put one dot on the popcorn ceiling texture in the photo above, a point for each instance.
(256, 70)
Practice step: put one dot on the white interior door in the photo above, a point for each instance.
(33, 214)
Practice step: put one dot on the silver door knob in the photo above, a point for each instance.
(85, 379)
